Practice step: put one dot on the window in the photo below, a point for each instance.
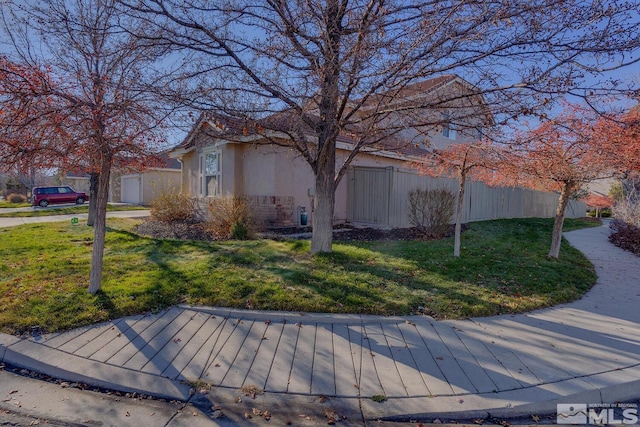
(448, 127)
(212, 174)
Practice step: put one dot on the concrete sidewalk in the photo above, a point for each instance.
(15, 221)
(586, 351)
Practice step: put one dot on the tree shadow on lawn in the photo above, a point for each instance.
(409, 289)
(374, 277)
(365, 282)
(168, 285)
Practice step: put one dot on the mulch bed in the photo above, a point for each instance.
(344, 233)
(625, 236)
(179, 230)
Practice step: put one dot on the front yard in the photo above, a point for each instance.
(44, 271)
(62, 210)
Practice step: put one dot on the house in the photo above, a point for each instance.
(138, 188)
(224, 156)
(142, 188)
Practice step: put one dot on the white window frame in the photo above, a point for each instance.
(448, 127)
(211, 171)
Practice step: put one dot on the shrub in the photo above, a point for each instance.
(628, 211)
(172, 206)
(16, 198)
(625, 236)
(230, 218)
(431, 210)
(239, 231)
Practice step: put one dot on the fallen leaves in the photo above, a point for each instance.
(255, 412)
(251, 391)
(331, 416)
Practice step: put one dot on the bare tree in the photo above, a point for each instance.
(345, 66)
(95, 85)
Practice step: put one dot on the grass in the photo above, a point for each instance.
(4, 204)
(71, 210)
(44, 271)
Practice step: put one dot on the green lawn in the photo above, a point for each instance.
(72, 210)
(44, 271)
(4, 204)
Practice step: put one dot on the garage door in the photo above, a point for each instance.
(130, 190)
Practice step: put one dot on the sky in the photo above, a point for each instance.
(630, 74)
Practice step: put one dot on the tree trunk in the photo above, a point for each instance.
(462, 179)
(322, 219)
(556, 237)
(93, 190)
(328, 130)
(102, 193)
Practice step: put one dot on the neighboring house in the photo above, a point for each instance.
(143, 188)
(221, 157)
(78, 182)
(140, 188)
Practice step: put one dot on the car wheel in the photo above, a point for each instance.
(43, 203)
(80, 200)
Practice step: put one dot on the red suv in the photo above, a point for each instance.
(44, 196)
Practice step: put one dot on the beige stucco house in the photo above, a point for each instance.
(220, 157)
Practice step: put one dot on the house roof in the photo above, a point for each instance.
(406, 92)
(287, 122)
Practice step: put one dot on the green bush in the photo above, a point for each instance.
(172, 206)
(239, 231)
(230, 218)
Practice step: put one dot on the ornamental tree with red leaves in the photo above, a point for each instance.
(31, 133)
(82, 97)
(563, 154)
(598, 202)
(621, 134)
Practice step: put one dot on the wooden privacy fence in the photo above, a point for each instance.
(380, 196)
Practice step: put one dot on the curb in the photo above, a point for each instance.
(39, 358)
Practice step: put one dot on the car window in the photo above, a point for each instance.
(64, 190)
(51, 190)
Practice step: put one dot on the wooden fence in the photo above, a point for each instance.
(380, 196)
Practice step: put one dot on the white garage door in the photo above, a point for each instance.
(130, 190)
